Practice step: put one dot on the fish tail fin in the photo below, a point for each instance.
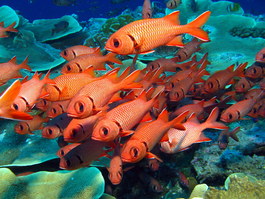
(211, 120)
(111, 57)
(6, 101)
(128, 82)
(47, 80)
(234, 132)
(194, 26)
(24, 64)
(240, 69)
(11, 28)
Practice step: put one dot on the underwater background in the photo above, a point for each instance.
(218, 164)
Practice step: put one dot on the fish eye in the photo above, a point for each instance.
(135, 152)
(44, 102)
(263, 56)
(172, 85)
(210, 84)
(15, 106)
(230, 116)
(74, 132)
(80, 107)
(243, 85)
(154, 187)
(177, 94)
(68, 163)
(120, 174)
(68, 67)
(65, 53)
(54, 111)
(62, 152)
(116, 43)
(21, 127)
(254, 70)
(49, 131)
(254, 110)
(105, 131)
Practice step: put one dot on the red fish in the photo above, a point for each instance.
(223, 138)
(95, 95)
(181, 140)
(120, 120)
(10, 70)
(64, 150)
(6, 101)
(26, 127)
(221, 78)
(10, 28)
(142, 36)
(115, 167)
(152, 183)
(255, 71)
(82, 62)
(30, 91)
(243, 85)
(260, 57)
(75, 51)
(80, 129)
(68, 85)
(57, 108)
(145, 138)
(147, 10)
(43, 104)
(56, 126)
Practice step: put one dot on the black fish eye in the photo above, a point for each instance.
(68, 163)
(44, 102)
(105, 131)
(172, 85)
(135, 152)
(80, 107)
(177, 94)
(230, 116)
(243, 85)
(65, 53)
(68, 68)
(49, 131)
(62, 152)
(54, 111)
(263, 56)
(210, 84)
(15, 106)
(254, 110)
(74, 132)
(254, 70)
(116, 43)
(21, 127)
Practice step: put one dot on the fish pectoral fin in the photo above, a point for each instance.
(165, 138)
(147, 117)
(177, 41)
(203, 138)
(150, 155)
(17, 115)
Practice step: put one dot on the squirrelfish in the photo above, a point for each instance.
(9, 28)
(10, 70)
(82, 62)
(57, 108)
(95, 95)
(6, 101)
(260, 56)
(223, 138)
(147, 10)
(75, 51)
(171, 4)
(142, 36)
(181, 140)
(120, 120)
(145, 138)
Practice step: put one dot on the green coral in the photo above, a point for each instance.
(239, 186)
(82, 183)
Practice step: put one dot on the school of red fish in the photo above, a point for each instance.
(124, 115)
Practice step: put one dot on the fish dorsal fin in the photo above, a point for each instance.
(97, 51)
(163, 115)
(90, 71)
(13, 60)
(173, 17)
(10, 94)
(143, 95)
(231, 68)
(193, 119)
(177, 41)
(213, 115)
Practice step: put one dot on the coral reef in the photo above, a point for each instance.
(82, 183)
(248, 32)
(239, 185)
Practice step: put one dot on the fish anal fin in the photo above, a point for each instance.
(177, 41)
(150, 155)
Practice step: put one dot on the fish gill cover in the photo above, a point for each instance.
(132, 99)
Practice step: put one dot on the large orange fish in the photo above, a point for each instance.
(142, 36)
(6, 101)
(120, 120)
(10, 28)
(30, 91)
(26, 127)
(181, 140)
(95, 95)
(75, 51)
(82, 62)
(10, 70)
(66, 86)
(147, 136)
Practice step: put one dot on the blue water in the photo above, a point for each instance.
(85, 9)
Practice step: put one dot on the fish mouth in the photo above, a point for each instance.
(96, 138)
